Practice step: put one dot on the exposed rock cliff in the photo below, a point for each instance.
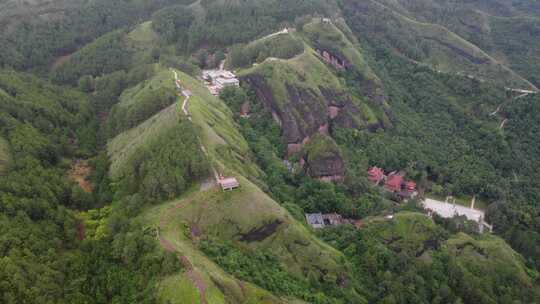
(322, 159)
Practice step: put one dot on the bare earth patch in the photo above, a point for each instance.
(79, 172)
(60, 61)
(261, 233)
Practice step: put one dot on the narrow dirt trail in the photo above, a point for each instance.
(186, 93)
(283, 31)
(503, 123)
(193, 275)
(497, 110)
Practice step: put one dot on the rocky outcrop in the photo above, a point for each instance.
(337, 61)
(322, 159)
(306, 111)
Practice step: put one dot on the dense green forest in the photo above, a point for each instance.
(34, 46)
(44, 257)
(91, 89)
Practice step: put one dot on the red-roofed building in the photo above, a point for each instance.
(393, 182)
(375, 175)
(410, 185)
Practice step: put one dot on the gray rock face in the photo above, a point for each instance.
(306, 112)
(328, 168)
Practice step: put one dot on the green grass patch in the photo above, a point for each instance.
(142, 101)
(303, 72)
(308, 74)
(141, 41)
(123, 146)
(226, 147)
(221, 287)
(162, 79)
(178, 289)
(331, 38)
(143, 34)
(229, 215)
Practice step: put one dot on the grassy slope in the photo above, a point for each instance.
(214, 210)
(143, 34)
(221, 287)
(141, 41)
(162, 79)
(227, 149)
(331, 36)
(480, 257)
(407, 230)
(125, 144)
(504, 29)
(4, 156)
(252, 207)
(440, 56)
(177, 288)
(131, 95)
(490, 260)
(304, 71)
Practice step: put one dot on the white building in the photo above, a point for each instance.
(228, 183)
(227, 82)
(448, 210)
(219, 79)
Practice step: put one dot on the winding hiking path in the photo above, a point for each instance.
(167, 215)
(191, 273)
(496, 111)
(283, 31)
(503, 123)
(523, 93)
(186, 93)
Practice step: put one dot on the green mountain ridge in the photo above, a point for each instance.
(433, 44)
(109, 178)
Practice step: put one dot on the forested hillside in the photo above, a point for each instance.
(130, 173)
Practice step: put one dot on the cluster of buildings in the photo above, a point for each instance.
(393, 182)
(216, 80)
